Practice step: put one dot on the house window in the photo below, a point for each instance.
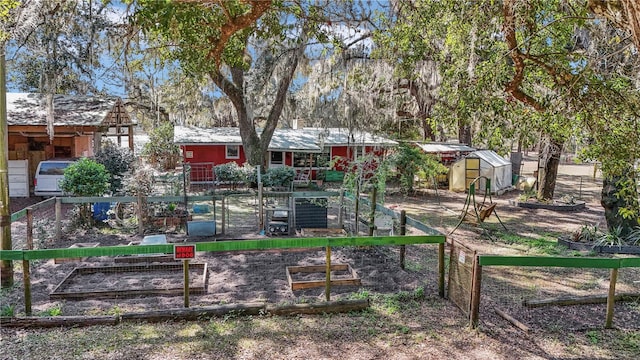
(314, 160)
(233, 151)
(358, 151)
(277, 158)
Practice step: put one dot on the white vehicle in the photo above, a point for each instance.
(49, 174)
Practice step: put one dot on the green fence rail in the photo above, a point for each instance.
(217, 246)
(566, 262)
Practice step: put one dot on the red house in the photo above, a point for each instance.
(306, 148)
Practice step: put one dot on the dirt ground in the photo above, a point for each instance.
(424, 329)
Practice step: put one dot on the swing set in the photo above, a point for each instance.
(481, 210)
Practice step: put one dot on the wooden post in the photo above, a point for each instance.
(26, 276)
(58, 218)
(357, 209)
(29, 228)
(260, 207)
(611, 299)
(441, 270)
(475, 292)
(140, 217)
(341, 211)
(224, 211)
(403, 231)
(185, 268)
(372, 213)
(327, 286)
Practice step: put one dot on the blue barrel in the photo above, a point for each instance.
(100, 211)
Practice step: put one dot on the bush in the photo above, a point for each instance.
(117, 161)
(410, 160)
(160, 149)
(230, 172)
(280, 176)
(85, 177)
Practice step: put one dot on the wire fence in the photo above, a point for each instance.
(137, 277)
(553, 298)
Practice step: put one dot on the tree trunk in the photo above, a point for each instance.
(6, 266)
(256, 145)
(464, 133)
(548, 161)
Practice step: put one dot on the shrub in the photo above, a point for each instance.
(85, 177)
(117, 161)
(229, 172)
(160, 149)
(410, 160)
(280, 176)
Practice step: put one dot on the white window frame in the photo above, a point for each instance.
(230, 147)
(272, 164)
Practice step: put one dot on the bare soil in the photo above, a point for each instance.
(407, 319)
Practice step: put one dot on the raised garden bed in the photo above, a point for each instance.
(343, 275)
(118, 281)
(554, 206)
(604, 249)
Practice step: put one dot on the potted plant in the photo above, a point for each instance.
(320, 176)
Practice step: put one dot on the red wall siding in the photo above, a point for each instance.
(211, 153)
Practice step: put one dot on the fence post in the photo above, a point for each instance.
(403, 231)
(611, 298)
(327, 286)
(58, 208)
(30, 228)
(140, 217)
(26, 276)
(476, 281)
(260, 207)
(224, 211)
(441, 270)
(372, 213)
(341, 211)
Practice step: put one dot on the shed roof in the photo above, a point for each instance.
(69, 110)
(441, 147)
(491, 157)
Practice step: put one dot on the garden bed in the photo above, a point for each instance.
(554, 206)
(604, 249)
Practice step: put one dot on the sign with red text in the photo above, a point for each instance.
(184, 252)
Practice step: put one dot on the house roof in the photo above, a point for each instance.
(306, 139)
(444, 147)
(69, 110)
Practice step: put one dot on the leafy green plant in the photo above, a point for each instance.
(280, 176)
(633, 238)
(53, 311)
(117, 161)
(587, 233)
(411, 160)
(229, 172)
(85, 177)
(7, 310)
(160, 149)
(611, 238)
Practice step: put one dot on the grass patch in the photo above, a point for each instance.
(544, 245)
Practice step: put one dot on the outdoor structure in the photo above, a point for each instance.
(481, 163)
(79, 123)
(448, 153)
(306, 148)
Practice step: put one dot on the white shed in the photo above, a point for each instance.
(481, 163)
